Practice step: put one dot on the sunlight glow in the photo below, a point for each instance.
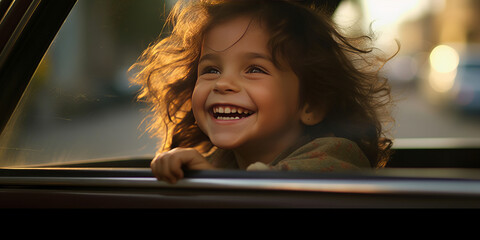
(389, 12)
(442, 82)
(384, 17)
(444, 59)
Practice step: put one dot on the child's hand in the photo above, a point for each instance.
(167, 166)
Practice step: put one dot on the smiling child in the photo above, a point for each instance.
(261, 85)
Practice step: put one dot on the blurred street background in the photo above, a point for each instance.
(81, 106)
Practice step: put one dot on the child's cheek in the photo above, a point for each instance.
(198, 105)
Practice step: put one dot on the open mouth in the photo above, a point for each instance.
(222, 112)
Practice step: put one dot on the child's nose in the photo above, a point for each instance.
(225, 85)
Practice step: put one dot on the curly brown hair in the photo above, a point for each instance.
(335, 72)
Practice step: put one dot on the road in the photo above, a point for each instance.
(415, 117)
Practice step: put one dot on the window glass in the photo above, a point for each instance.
(79, 104)
(434, 75)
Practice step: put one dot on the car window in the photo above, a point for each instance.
(80, 105)
(433, 82)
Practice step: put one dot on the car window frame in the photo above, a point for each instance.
(21, 54)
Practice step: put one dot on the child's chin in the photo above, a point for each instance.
(226, 144)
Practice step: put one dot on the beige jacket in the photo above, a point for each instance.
(320, 155)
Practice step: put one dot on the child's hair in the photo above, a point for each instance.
(335, 73)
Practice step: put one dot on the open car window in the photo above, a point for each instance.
(432, 74)
(80, 106)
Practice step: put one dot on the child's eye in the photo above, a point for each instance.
(255, 69)
(210, 70)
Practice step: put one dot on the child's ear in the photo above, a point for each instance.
(311, 116)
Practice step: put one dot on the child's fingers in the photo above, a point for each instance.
(168, 166)
(165, 170)
(191, 158)
(172, 167)
(156, 167)
(162, 168)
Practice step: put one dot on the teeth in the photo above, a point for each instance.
(230, 110)
(228, 118)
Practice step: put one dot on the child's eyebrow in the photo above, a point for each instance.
(209, 56)
(254, 55)
(248, 55)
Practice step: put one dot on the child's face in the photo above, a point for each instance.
(241, 99)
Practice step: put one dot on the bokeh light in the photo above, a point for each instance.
(444, 59)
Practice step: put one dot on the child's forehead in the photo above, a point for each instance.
(222, 36)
